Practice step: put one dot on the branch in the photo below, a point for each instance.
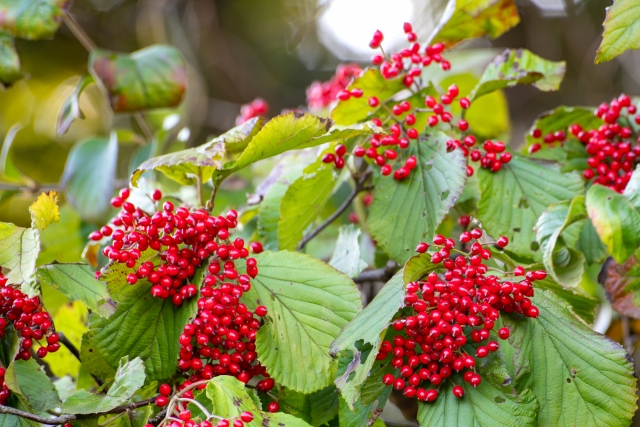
(374, 417)
(378, 275)
(73, 417)
(343, 207)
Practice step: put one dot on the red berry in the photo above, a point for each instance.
(273, 407)
(504, 333)
(503, 241)
(458, 391)
(246, 416)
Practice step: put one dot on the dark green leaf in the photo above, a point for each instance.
(484, 406)
(78, 282)
(142, 326)
(520, 67)
(128, 379)
(580, 377)
(9, 62)
(88, 176)
(405, 213)
(308, 303)
(360, 414)
(372, 83)
(19, 249)
(70, 110)
(557, 231)
(27, 379)
(590, 244)
(153, 77)
(32, 19)
(469, 19)
(512, 200)
(621, 30)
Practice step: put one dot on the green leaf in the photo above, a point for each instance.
(580, 377)
(303, 201)
(346, 255)
(9, 62)
(142, 326)
(308, 303)
(621, 30)
(484, 406)
(558, 230)
(88, 176)
(230, 399)
(520, 67)
(361, 413)
(590, 245)
(78, 283)
(582, 305)
(372, 83)
(466, 19)
(27, 379)
(19, 249)
(275, 185)
(44, 211)
(405, 213)
(616, 218)
(7, 420)
(200, 162)
(560, 119)
(137, 418)
(129, 378)
(153, 77)
(32, 19)
(323, 405)
(70, 110)
(512, 200)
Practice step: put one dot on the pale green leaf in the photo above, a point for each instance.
(230, 399)
(346, 255)
(580, 377)
(88, 176)
(128, 379)
(520, 67)
(27, 379)
(308, 303)
(405, 213)
(621, 30)
(524, 190)
(70, 110)
(19, 249)
(557, 231)
(78, 283)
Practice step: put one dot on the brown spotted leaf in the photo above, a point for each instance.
(622, 283)
(32, 19)
(153, 77)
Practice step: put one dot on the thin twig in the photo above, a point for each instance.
(343, 207)
(199, 190)
(90, 46)
(628, 343)
(212, 200)
(378, 275)
(63, 419)
(76, 353)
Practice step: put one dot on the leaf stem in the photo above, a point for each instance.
(343, 207)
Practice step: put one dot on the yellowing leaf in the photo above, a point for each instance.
(621, 30)
(45, 211)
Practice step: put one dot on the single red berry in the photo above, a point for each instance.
(422, 247)
(273, 407)
(503, 241)
(261, 311)
(373, 102)
(256, 247)
(238, 423)
(458, 391)
(504, 333)
(161, 401)
(246, 416)
(164, 389)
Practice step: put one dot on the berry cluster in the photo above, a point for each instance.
(256, 108)
(183, 240)
(403, 119)
(181, 417)
(612, 153)
(450, 309)
(320, 95)
(493, 158)
(29, 318)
